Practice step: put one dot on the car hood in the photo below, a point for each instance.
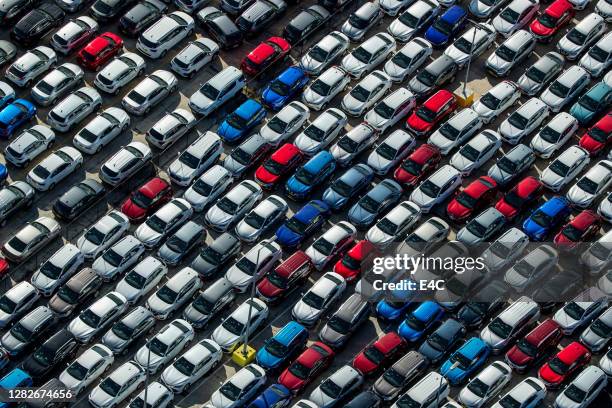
(320, 398)
(11, 344)
(579, 196)
(181, 171)
(286, 236)
(233, 165)
(79, 329)
(352, 64)
(237, 277)
(378, 237)
(420, 198)
(540, 145)
(132, 210)
(333, 198)
(246, 231)
(351, 31)
(461, 163)
(168, 254)
(528, 85)
(147, 235)
(310, 64)
(69, 381)
(435, 37)
(498, 63)
(515, 279)
(312, 97)
(42, 281)
(217, 216)
(591, 64)
(113, 342)
(226, 131)
(457, 55)
(506, 129)
(103, 268)
(551, 99)
(441, 142)
(304, 312)
(418, 87)
(564, 320)
(224, 338)
(100, 398)
(360, 215)
(568, 46)
(464, 235)
(399, 30)
(157, 305)
(551, 178)
(502, 26)
(490, 338)
(200, 101)
(218, 400)
(172, 376)
(143, 355)
(499, 175)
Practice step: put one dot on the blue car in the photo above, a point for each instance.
(3, 173)
(275, 396)
(465, 361)
(303, 224)
(444, 29)
(311, 175)
(285, 344)
(593, 103)
(546, 218)
(17, 378)
(14, 115)
(240, 122)
(393, 308)
(284, 87)
(420, 320)
(348, 185)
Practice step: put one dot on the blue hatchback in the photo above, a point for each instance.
(394, 306)
(282, 346)
(304, 223)
(546, 218)
(311, 175)
(465, 361)
(240, 122)
(446, 26)
(274, 396)
(14, 115)
(17, 378)
(3, 173)
(284, 87)
(419, 320)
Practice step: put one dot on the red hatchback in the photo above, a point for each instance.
(564, 364)
(100, 50)
(314, 360)
(349, 266)
(598, 138)
(148, 198)
(379, 354)
(547, 24)
(266, 53)
(422, 162)
(525, 192)
(478, 194)
(276, 283)
(435, 109)
(4, 267)
(541, 340)
(580, 229)
(280, 163)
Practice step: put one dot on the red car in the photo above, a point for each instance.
(598, 138)
(100, 50)
(379, 354)
(423, 161)
(312, 362)
(478, 194)
(148, 198)
(541, 340)
(4, 267)
(580, 229)
(280, 163)
(547, 24)
(276, 283)
(349, 266)
(266, 53)
(435, 109)
(525, 192)
(564, 364)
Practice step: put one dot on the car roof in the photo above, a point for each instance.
(317, 162)
(224, 242)
(179, 280)
(453, 14)
(437, 100)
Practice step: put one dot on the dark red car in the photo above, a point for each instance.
(568, 361)
(276, 283)
(4, 267)
(379, 354)
(280, 163)
(547, 24)
(599, 137)
(477, 195)
(422, 162)
(266, 53)
(314, 360)
(536, 344)
(349, 266)
(580, 229)
(522, 194)
(434, 110)
(100, 50)
(148, 198)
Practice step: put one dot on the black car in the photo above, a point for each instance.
(486, 302)
(220, 27)
(305, 23)
(37, 23)
(11, 10)
(106, 10)
(141, 16)
(261, 13)
(365, 399)
(211, 258)
(441, 342)
(51, 354)
(78, 199)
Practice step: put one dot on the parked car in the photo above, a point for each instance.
(233, 205)
(420, 320)
(285, 123)
(598, 58)
(433, 111)
(174, 293)
(147, 199)
(530, 391)
(594, 183)
(118, 385)
(345, 321)
(268, 52)
(598, 136)
(284, 87)
(344, 381)
(596, 337)
(306, 367)
(37, 23)
(524, 120)
(141, 16)
(164, 345)
(253, 264)
(541, 73)
(259, 15)
(497, 100)
(29, 66)
(415, 18)
(476, 196)
(446, 26)
(567, 361)
(321, 55)
(246, 155)
(362, 20)
(390, 384)
(285, 344)
(208, 187)
(198, 157)
(192, 365)
(366, 93)
(170, 128)
(228, 334)
(87, 368)
(310, 175)
(14, 197)
(56, 270)
(511, 323)
(244, 385)
(180, 243)
(305, 23)
(532, 268)
(582, 36)
(391, 109)
(56, 84)
(365, 57)
(220, 27)
(209, 303)
(408, 59)
(566, 167)
(194, 57)
(149, 92)
(436, 188)
(551, 20)
(214, 256)
(128, 330)
(584, 389)
(434, 76)
(476, 152)
(473, 42)
(165, 34)
(78, 199)
(592, 104)
(514, 16)
(78, 289)
(14, 115)
(318, 299)
(511, 52)
(97, 317)
(107, 10)
(578, 312)
(119, 72)
(30, 239)
(101, 130)
(565, 88)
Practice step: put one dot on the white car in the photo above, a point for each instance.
(584, 389)
(597, 335)
(565, 88)
(119, 72)
(479, 150)
(165, 345)
(54, 168)
(392, 150)
(145, 276)
(208, 187)
(394, 225)
(165, 34)
(524, 120)
(267, 213)
(515, 16)
(324, 53)
(541, 73)
(241, 387)
(74, 34)
(150, 92)
(29, 144)
(319, 298)
(483, 9)
(57, 269)
(605, 9)
(192, 365)
(366, 93)
(599, 254)
(19, 299)
(321, 132)
(595, 182)
(164, 222)
(125, 163)
(362, 20)
(598, 58)
(531, 268)
(217, 90)
(74, 108)
(120, 257)
(104, 233)
(253, 265)
(605, 208)
(579, 311)
(115, 388)
(558, 131)
(456, 130)
(87, 368)
(565, 168)
(196, 159)
(496, 100)
(505, 249)
(368, 55)
(233, 205)
(101, 130)
(391, 109)
(285, 123)
(526, 394)
(170, 128)
(416, 17)
(330, 243)
(97, 317)
(511, 53)
(436, 188)
(195, 56)
(57, 83)
(393, 7)
(322, 90)
(343, 382)
(582, 36)
(353, 143)
(243, 321)
(23, 71)
(156, 394)
(473, 42)
(408, 59)
(486, 385)
(173, 294)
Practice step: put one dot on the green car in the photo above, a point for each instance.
(594, 102)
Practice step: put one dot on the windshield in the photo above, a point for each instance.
(275, 348)
(277, 125)
(50, 270)
(233, 326)
(318, 54)
(77, 371)
(21, 333)
(535, 74)
(313, 300)
(518, 121)
(394, 378)
(500, 328)
(122, 330)
(509, 15)
(576, 36)
(236, 121)
(189, 159)
(505, 53)
(509, 402)
(183, 366)
(559, 89)
(305, 177)
(478, 387)
(386, 151)
(527, 348)
(574, 310)
(430, 188)
(374, 355)
(110, 387)
(547, 20)
(280, 88)
(320, 87)
(66, 294)
(230, 391)
(426, 114)
(299, 370)
(167, 295)
(589, 103)
(141, 200)
(90, 318)
(559, 167)
(574, 393)
(466, 200)
(227, 205)
(112, 257)
(490, 101)
(362, 55)
(598, 54)
(558, 366)
(158, 347)
(409, 20)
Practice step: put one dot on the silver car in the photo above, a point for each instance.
(165, 34)
(408, 59)
(425, 237)
(366, 93)
(243, 321)
(599, 254)
(173, 294)
(115, 388)
(17, 300)
(345, 321)
(456, 130)
(233, 205)
(582, 36)
(321, 132)
(28, 330)
(125, 332)
(394, 225)
(101, 130)
(330, 243)
(584, 389)
(436, 188)
(391, 109)
(118, 258)
(101, 235)
(483, 9)
(558, 131)
(354, 142)
(244, 385)
(482, 227)
(55, 168)
(119, 72)
(416, 17)
(473, 42)
(594, 183)
(29, 144)
(486, 385)
(266, 214)
(57, 83)
(524, 120)
(324, 53)
(254, 264)
(139, 281)
(476, 152)
(599, 57)
(322, 90)
(164, 222)
(597, 335)
(170, 128)
(532, 267)
(14, 197)
(208, 187)
(581, 310)
(538, 75)
(181, 243)
(74, 34)
(31, 238)
(217, 90)
(97, 317)
(149, 92)
(496, 100)
(194, 57)
(285, 123)
(515, 16)
(192, 365)
(165, 345)
(74, 108)
(368, 54)
(197, 158)
(565, 168)
(508, 167)
(319, 298)
(87, 368)
(565, 88)
(125, 163)
(344, 381)
(529, 392)
(156, 394)
(505, 249)
(388, 153)
(605, 208)
(362, 20)
(511, 53)
(57, 269)
(31, 65)
(209, 303)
